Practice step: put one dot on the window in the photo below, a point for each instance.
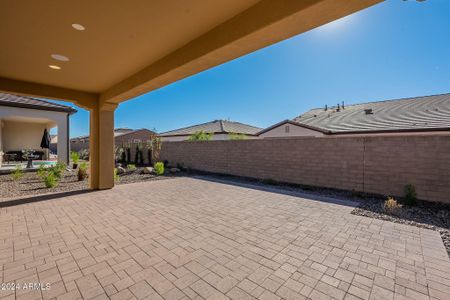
(286, 129)
(136, 141)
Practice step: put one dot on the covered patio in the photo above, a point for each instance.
(25, 122)
(192, 238)
(98, 55)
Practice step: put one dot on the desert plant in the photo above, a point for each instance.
(75, 157)
(391, 206)
(120, 154)
(159, 168)
(128, 151)
(82, 171)
(410, 195)
(84, 154)
(237, 136)
(154, 149)
(116, 175)
(138, 155)
(17, 173)
(131, 167)
(41, 171)
(57, 169)
(201, 136)
(50, 180)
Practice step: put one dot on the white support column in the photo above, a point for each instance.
(62, 146)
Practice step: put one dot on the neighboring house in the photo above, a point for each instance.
(289, 128)
(122, 136)
(430, 114)
(221, 130)
(23, 121)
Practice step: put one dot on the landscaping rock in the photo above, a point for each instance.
(121, 171)
(30, 184)
(174, 170)
(148, 170)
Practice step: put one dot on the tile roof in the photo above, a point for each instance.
(33, 103)
(216, 126)
(117, 132)
(407, 114)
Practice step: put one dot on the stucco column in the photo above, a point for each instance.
(61, 146)
(1, 129)
(101, 147)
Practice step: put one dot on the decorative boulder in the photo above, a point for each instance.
(148, 170)
(120, 171)
(174, 170)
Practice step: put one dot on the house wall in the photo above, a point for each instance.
(294, 130)
(35, 116)
(379, 164)
(21, 135)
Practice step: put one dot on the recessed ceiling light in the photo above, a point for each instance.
(78, 27)
(60, 57)
(54, 67)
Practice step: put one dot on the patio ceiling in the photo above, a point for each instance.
(132, 47)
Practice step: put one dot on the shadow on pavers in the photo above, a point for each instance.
(44, 197)
(277, 190)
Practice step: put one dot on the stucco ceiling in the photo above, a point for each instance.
(119, 40)
(131, 47)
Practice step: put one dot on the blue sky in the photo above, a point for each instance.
(393, 50)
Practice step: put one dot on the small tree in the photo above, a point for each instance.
(136, 155)
(154, 148)
(128, 155)
(410, 197)
(201, 136)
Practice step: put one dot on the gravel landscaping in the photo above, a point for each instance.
(30, 184)
(428, 215)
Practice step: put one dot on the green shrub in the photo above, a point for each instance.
(237, 136)
(57, 169)
(159, 168)
(17, 173)
(410, 197)
(269, 181)
(50, 180)
(201, 136)
(41, 171)
(82, 171)
(116, 176)
(75, 157)
(131, 167)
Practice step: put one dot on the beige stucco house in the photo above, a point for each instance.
(24, 119)
(406, 116)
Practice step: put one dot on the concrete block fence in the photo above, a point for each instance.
(377, 164)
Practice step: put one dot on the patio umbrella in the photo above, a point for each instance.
(45, 142)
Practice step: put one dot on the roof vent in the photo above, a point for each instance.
(368, 111)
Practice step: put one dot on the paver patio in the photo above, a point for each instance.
(189, 238)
